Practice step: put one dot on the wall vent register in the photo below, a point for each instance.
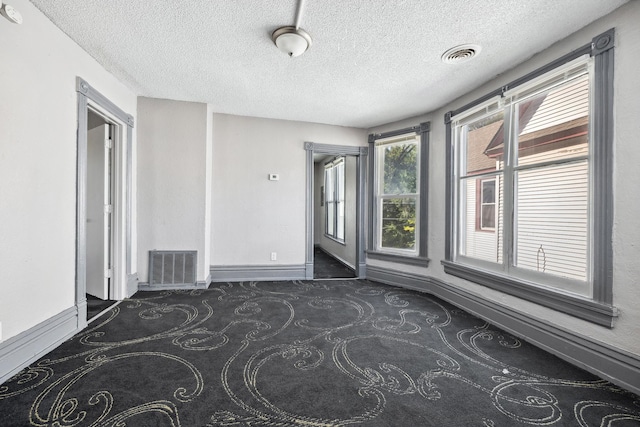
(172, 268)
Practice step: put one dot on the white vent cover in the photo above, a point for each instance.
(172, 268)
(460, 54)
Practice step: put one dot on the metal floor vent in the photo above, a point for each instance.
(175, 268)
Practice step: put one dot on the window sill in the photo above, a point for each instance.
(486, 230)
(583, 308)
(341, 242)
(400, 259)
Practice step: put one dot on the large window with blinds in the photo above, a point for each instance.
(526, 207)
(334, 198)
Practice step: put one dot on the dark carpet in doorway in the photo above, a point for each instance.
(327, 267)
(96, 306)
(304, 353)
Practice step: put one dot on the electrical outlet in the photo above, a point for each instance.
(274, 256)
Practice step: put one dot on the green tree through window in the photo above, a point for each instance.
(398, 194)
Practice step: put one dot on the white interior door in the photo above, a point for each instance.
(99, 210)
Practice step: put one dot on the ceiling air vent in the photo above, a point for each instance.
(460, 54)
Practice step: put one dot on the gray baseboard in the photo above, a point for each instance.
(205, 284)
(618, 366)
(240, 273)
(362, 270)
(25, 348)
(144, 287)
(132, 284)
(200, 284)
(81, 313)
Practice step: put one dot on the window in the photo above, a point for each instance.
(529, 189)
(486, 204)
(398, 191)
(334, 198)
(398, 211)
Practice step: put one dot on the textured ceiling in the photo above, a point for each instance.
(372, 61)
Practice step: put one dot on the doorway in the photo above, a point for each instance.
(99, 229)
(104, 255)
(334, 205)
(316, 155)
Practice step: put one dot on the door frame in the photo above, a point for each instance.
(361, 167)
(124, 281)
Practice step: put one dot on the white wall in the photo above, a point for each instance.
(626, 233)
(253, 216)
(345, 252)
(38, 116)
(172, 180)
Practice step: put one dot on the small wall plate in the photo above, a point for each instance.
(11, 14)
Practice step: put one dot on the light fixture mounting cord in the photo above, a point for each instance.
(299, 13)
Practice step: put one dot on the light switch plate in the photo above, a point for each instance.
(274, 177)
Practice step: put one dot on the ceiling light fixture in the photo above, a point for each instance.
(459, 54)
(292, 40)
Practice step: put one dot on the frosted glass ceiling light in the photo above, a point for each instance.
(291, 40)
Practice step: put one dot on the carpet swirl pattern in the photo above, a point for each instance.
(304, 353)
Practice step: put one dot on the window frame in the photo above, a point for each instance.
(480, 203)
(597, 307)
(374, 248)
(333, 200)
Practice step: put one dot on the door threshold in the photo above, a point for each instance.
(115, 303)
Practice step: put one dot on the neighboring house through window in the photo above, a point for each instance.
(530, 186)
(334, 198)
(486, 205)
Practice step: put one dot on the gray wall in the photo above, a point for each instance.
(626, 233)
(38, 152)
(172, 180)
(253, 216)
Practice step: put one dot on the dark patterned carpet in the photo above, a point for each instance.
(96, 306)
(327, 267)
(324, 353)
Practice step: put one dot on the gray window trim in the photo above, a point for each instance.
(421, 259)
(599, 309)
